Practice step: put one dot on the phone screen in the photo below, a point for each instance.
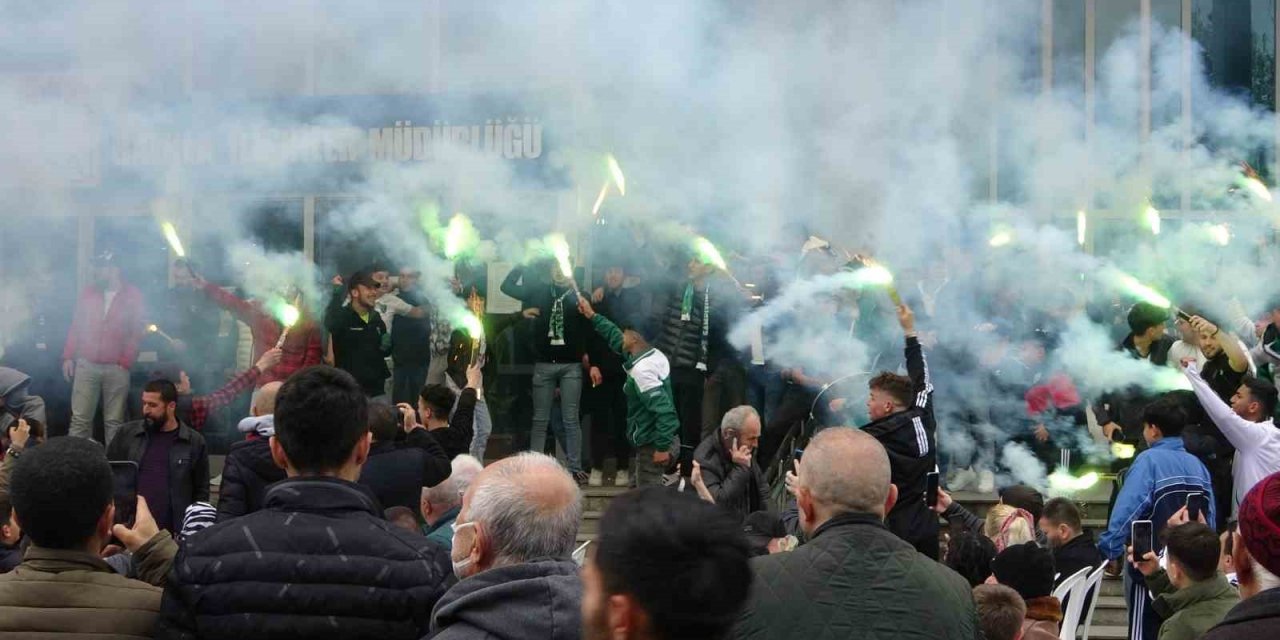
(1143, 538)
(124, 491)
(1197, 505)
(686, 460)
(931, 489)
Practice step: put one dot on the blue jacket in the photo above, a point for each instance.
(1155, 488)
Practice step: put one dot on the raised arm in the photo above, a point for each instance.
(1236, 356)
(1242, 433)
(514, 285)
(608, 331)
(917, 368)
(243, 310)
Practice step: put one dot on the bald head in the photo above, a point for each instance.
(264, 402)
(844, 471)
(528, 506)
(448, 493)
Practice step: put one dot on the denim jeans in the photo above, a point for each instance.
(481, 424)
(93, 382)
(644, 473)
(547, 377)
(764, 390)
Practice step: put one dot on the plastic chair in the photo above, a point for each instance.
(1069, 592)
(1092, 588)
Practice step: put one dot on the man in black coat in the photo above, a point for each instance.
(901, 410)
(728, 469)
(396, 472)
(318, 561)
(249, 468)
(853, 578)
(360, 339)
(172, 459)
(1073, 548)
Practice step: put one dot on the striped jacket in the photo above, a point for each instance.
(910, 438)
(1154, 489)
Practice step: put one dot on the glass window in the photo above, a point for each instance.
(338, 249)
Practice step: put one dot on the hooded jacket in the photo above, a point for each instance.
(318, 561)
(910, 439)
(537, 600)
(13, 388)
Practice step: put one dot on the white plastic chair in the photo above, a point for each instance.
(1092, 588)
(1069, 591)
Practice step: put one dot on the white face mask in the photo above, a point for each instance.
(459, 566)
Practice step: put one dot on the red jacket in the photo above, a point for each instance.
(106, 339)
(1058, 392)
(301, 347)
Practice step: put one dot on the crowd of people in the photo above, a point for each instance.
(358, 499)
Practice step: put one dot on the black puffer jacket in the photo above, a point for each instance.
(855, 579)
(247, 472)
(736, 488)
(317, 562)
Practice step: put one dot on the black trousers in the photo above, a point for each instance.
(687, 386)
(609, 424)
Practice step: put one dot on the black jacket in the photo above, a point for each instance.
(542, 293)
(358, 345)
(456, 438)
(1252, 619)
(1124, 406)
(539, 600)
(245, 475)
(188, 465)
(681, 340)
(411, 337)
(855, 579)
(910, 439)
(1080, 553)
(396, 472)
(318, 561)
(737, 489)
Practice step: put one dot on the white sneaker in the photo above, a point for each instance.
(670, 479)
(623, 479)
(986, 481)
(596, 478)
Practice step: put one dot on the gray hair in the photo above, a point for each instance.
(530, 508)
(736, 417)
(448, 493)
(846, 470)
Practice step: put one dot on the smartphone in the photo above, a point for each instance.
(686, 460)
(1142, 537)
(1183, 315)
(124, 491)
(931, 489)
(798, 454)
(1197, 506)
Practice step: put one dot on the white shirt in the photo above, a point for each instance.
(1257, 443)
(391, 305)
(1181, 349)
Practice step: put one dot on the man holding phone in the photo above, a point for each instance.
(1156, 487)
(172, 459)
(729, 471)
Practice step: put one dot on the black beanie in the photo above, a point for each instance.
(1026, 568)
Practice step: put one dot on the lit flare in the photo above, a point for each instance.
(171, 234)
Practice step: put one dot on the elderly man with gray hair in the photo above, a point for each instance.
(441, 503)
(853, 578)
(512, 543)
(728, 467)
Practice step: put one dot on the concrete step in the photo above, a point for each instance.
(1110, 612)
(1108, 632)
